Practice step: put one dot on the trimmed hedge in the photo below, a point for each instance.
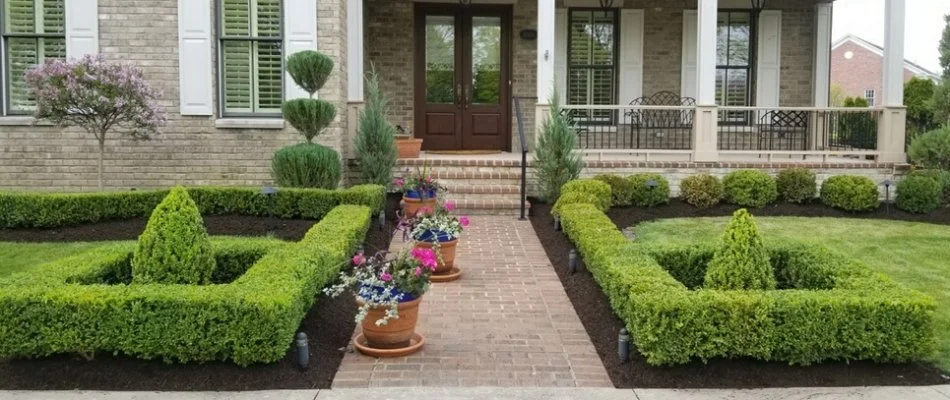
(850, 193)
(50, 210)
(847, 313)
(942, 177)
(643, 196)
(63, 307)
(702, 190)
(919, 194)
(174, 248)
(620, 188)
(741, 261)
(589, 191)
(797, 185)
(750, 188)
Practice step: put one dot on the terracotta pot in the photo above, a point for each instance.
(447, 249)
(411, 206)
(395, 334)
(408, 147)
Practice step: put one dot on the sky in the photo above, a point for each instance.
(865, 18)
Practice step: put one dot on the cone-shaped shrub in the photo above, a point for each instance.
(307, 165)
(741, 262)
(375, 137)
(174, 248)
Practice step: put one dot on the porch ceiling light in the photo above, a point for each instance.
(606, 4)
(758, 5)
(465, 2)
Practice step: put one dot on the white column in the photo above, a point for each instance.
(822, 88)
(546, 50)
(354, 50)
(894, 11)
(706, 52)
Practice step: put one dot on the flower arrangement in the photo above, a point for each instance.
(387, 279)
(436, 224)
(418, 184)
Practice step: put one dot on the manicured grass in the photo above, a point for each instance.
(18, 257)
(914, 254)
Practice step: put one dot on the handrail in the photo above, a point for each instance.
(524, 158)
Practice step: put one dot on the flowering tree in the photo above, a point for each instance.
(97, 96)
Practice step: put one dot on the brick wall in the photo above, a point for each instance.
(863, 71)
(190, 150)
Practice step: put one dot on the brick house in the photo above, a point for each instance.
(857, 67)
(711, 84)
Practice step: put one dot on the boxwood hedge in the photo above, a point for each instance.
(831, 308)
(50, 210)
(84, 304)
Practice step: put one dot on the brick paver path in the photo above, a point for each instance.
(506, 322)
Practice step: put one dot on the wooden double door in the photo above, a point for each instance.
(462, 76)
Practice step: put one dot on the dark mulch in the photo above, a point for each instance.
(603, 325)
(329, 325)
(130, 229)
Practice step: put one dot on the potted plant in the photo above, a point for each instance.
(388, 288)
(419, 190)
(439, 230)
(408, 146)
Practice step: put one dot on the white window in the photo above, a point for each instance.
(251, 57)
(33, 32)
(869, 96)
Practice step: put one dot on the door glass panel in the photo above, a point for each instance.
(486, 60)
(440, 59)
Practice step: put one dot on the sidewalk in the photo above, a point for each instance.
(874, 393)
(507, 322)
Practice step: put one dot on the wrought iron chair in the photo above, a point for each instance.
(783, 130)
(662, 129)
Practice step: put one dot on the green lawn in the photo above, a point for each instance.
(17, 257)
(915, 254)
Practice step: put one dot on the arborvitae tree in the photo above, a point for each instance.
(741, 262)
(555, 160)
(376, 136)
(174, 248)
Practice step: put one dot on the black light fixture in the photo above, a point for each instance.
(605, 4)
(623, 345)
(572, 261)
(465, 2)
(758, 5)
(887, 194)
(303, 351)
(269, 193)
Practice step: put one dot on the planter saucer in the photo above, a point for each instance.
(452, 275)
(415, 344)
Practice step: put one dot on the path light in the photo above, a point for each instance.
(572, 261)
(887, 194)
(303, 351)
(270, 193)
(382, 220)
(652, 184)
(623, 345)
(557, 224)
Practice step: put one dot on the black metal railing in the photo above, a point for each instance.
(798, 129)
(632, 127)
(524, 158)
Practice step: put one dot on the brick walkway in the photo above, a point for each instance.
(507, 322)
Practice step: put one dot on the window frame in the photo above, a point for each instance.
(870, 95)
(219, 42)
(750, 68)
(615, 65)
(5, 78)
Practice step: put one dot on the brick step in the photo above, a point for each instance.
(510, 207)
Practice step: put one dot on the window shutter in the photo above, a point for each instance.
(768, 70)
(631, 55)
(560, 54)
(688, 84)
(300, 33)
(82, 28)
(194, 57)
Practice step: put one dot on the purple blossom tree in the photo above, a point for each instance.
(97, 96)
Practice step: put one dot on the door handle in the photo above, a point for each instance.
(466, 96)
(459, 98)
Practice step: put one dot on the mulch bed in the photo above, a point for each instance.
(603, 325)
(328, 325)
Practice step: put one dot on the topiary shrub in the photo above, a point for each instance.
(307, 165)
(942, 177)
(750, 188)
(918, 194)
(741, 262)
(376, 137)
(797, 185)
(174, 248)
(644, 196)
(701, 190)
(621, 189)
(556, 161)
(585, 191)
(931, 150)
(850, 193)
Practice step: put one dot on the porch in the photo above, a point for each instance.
(742, 83)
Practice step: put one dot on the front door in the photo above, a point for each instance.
(461, 77)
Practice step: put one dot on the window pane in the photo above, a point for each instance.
(23, 54)
(591, 58)
(737, 87)
(236, 73)
(578, 83)
(486, 60)
(236, 17)
(268, 18)
(269, 72)
(20, 16)
(739, 29)
(722, 39)
(440, 59)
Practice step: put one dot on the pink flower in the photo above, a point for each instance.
(418, 271)
(428, 179)
(464, 221)
(426, 257)
(358, 259)
(385, 277)
(399, 182)
(449, 205)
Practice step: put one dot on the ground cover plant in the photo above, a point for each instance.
(829, 308)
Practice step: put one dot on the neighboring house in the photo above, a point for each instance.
(451, 69)
(857, 66)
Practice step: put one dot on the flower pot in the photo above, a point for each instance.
(411, 206)
(408, 147)
(397, 333)
(446, 251)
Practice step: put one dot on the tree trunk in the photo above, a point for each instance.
(102, 149)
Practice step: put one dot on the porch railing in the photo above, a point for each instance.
(798, 131)
(524, 158)
(632, 127)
